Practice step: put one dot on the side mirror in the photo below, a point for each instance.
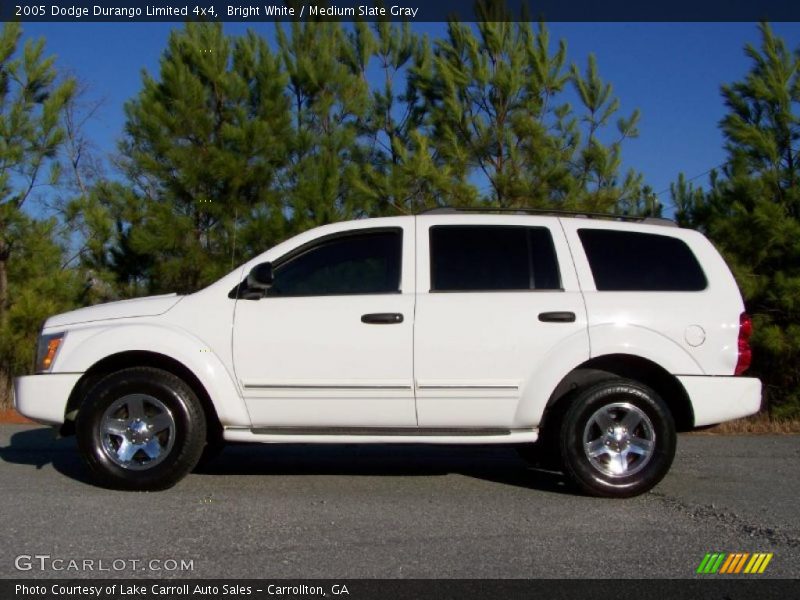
(260, 277)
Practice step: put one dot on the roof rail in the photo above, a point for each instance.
(442, 210)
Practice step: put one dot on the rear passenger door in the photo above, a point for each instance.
(492, 302)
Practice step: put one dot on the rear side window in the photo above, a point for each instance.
(472, 258)
(632, 261)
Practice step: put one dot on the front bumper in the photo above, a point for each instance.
(44, 397)
(718, 399)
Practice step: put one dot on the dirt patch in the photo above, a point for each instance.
(9, 415)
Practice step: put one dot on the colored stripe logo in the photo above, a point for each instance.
(734, 563)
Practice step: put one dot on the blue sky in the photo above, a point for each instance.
(670, 71)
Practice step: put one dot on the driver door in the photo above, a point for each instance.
(330, 344)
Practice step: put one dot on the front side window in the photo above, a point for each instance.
(470, 258)
(626, 261)
(360, 263)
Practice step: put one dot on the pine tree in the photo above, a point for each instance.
(32, 282)
(597, 168)
(329, 98)
(494, 101)
(105, 215)
(399, 171)
(752, 210)
(205, 146)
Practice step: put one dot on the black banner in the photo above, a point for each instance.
(397, 10)
(386, 589)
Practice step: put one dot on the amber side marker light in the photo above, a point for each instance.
(47, 350)
(52, 346)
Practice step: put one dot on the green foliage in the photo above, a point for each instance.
(204, 145)
(494, 99)
(38, 288)
(234, 147)
(330, 98)
(105, 216)
(33, 283)
(399, 171)
(752, 210)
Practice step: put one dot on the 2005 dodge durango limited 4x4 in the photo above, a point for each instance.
(585, 342)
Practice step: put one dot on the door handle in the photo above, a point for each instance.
(382, 318)
(557, 317)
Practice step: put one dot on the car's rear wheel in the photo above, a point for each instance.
(617, 439)
(141, 428)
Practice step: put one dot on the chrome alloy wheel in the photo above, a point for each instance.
(619, 439)
(137, 431)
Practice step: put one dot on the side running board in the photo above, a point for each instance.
(381, 431)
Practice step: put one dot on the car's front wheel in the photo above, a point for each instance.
(617, 439)
(141, 428)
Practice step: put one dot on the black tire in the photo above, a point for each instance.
(617, 439)
(149, 452)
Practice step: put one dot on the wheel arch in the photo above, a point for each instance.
(140, 358)
(625, 366)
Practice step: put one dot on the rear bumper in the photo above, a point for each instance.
(718, 399)
(44, 397)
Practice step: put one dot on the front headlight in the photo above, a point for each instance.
(47, 350)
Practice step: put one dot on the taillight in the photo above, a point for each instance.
(745, 353)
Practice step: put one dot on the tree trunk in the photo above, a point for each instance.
(5, 390)
(5, 379)
(3, 280)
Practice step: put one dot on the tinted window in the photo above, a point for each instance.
(544, 264)
(632, 261)
(492, 258)
(366, 263)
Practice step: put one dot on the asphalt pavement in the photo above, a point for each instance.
(394, 511)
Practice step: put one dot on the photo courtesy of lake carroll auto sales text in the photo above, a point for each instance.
(177, 590)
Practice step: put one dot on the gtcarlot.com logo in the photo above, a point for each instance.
(734, 563)
(46, 562)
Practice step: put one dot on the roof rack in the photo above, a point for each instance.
(443, 210)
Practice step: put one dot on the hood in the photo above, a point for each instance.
(136, 307)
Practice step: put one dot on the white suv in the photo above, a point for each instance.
(598, 337)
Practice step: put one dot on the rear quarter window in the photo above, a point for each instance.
(627, 261)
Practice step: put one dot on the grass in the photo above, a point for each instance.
(761, 423)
